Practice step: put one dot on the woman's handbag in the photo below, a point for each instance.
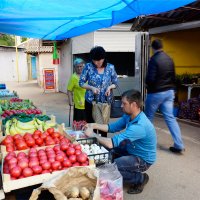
(116, 109)
(101, 112)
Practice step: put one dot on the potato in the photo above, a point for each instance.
(75, 199)
(84, 193)
(73, 192)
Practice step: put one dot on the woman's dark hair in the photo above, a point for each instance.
(133, 96)
(157, 44)
(98, 53)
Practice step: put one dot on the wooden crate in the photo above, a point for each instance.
(9, 185)
(2, 131)
(60, 128)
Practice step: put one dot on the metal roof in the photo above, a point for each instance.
(35, 46)
(188, 13)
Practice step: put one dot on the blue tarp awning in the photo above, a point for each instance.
(61, 19)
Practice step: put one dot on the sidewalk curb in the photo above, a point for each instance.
(184, 121)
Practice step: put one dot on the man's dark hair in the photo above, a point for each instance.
(157, 44)
(133, 96)
(97, 53)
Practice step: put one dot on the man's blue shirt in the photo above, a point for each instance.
(139, 136)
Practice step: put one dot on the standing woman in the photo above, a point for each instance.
(76, 94)
(98, 78)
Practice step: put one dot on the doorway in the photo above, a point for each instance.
(33, 67)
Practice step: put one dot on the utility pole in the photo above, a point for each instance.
(17, 42)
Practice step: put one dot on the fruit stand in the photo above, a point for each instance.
(36, 149)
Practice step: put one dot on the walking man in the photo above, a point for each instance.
(160, 83)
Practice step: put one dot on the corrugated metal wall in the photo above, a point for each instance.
(112, 41)
(115, 41)
(83, 43)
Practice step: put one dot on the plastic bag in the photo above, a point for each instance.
(110, 182)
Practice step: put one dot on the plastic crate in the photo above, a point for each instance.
(2, 86)
(99, 158)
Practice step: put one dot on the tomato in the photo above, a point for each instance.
(10, 148)
(56, 148)
(49, 140)
(37, 169)
(56, 140)
(56, 165)
(33, 163)
(70, 151)
(7, 140)
(43, 135)
(17, 136)
(22, 164)
(8, 157)
(12, 160)
(55, 135)
(21, 145)
(84, 164)
(77, 152)
(6, 170)
(43, 161)
(32, 150)
(27, 136)
(33, 155)
(48, 149)
(59, 158)
(64, 147)
(15, 172)
(25, 159)
(76, 164)
(10, 166)
(72, 158)
(78, 147)
(36, 136)
(51, 155)
(39, 141)
(51, 159)
(45, 171)
(46, 165)
(27, 172)
(82, 158)
(30, 142)
(43, 157)
(37, 132)
(50, 130)
(41, 152)
(21, 155)
(67, 163)
(13, 154)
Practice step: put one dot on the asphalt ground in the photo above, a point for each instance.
(172, 177)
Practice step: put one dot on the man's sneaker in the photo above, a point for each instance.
(175, 150)
(136, 189)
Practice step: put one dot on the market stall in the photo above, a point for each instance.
(35, 149)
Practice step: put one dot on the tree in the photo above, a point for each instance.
(7, 40)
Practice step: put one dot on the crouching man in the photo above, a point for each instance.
(133, 149)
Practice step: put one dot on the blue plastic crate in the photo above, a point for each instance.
(2, 86)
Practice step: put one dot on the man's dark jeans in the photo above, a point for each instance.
(130, 166)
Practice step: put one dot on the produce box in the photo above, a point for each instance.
(26, 123)
(59, 129)
(95, 151)
(76, 183)
(76, 134)
(10, 184)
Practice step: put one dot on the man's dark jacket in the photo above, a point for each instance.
(161, 73)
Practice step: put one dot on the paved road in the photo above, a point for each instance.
(173, 177)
